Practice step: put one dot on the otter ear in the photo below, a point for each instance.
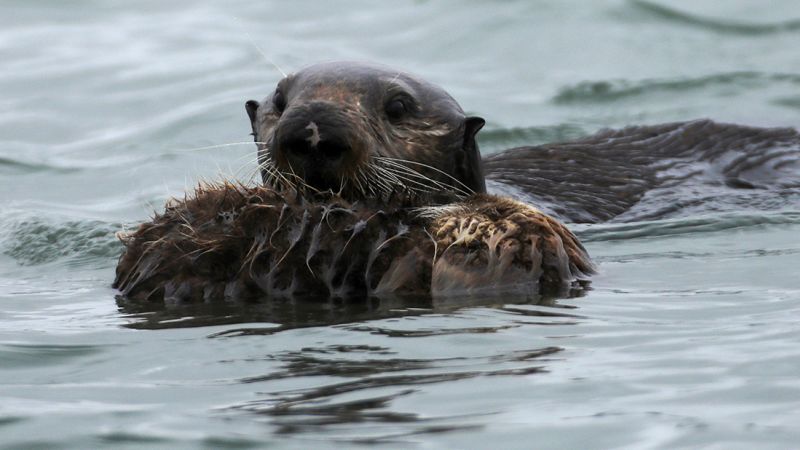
(469, 166)
(473, 125)
(252, 107)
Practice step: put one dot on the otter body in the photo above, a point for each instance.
(654, 172)
(373, 185)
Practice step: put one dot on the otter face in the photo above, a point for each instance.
(362, 130)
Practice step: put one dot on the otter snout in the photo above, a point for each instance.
(316, 144)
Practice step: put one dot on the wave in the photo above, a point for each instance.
(33, 239)
(613, 90)
(673, 15)
(16, 165)
(683, 226)
(502, 138)
(18, 355)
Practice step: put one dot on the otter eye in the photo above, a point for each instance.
(279, 101)
(396, 109)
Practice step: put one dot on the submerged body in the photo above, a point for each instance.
(654, 172)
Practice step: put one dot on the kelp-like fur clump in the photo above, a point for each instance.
(239, 242)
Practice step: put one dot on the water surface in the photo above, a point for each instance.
(688, 338)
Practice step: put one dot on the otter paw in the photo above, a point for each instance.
(495, 244)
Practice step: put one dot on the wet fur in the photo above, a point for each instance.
(654, 172)
(490, 244)
(239, 242)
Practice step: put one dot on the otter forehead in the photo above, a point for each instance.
(368, 84)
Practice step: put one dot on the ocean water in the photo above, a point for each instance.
(688, 338)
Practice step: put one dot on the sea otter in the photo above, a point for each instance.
(373, 184)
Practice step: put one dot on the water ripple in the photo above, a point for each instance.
(669, 14)
(502, 138)
(15, 165)
(685, 226)
(33, 239)
(614, 90)
(306, 409)
(16, 355)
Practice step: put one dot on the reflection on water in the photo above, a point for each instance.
(287, 314)
(309, 409)
(360, 384)
(374, 374)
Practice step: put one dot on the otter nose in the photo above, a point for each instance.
(314, 147)
(310, 144)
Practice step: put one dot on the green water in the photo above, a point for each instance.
(687, 340)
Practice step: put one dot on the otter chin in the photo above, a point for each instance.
(372, 186)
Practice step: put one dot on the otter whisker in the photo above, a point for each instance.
(365, 174)
(267, 177)
(249, 161)
(411, 172)
(466, 189)
(250, 174)
(211, 147)
(392, 174)
(407, 178)
(277, 179)
(394, 170)
(253, 43)
(299, 183)
(429, 184)
(397, 168)
(357, 182)
(359, 185)
(381, 175)
(420, 189)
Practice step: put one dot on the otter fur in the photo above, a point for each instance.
(243, 242)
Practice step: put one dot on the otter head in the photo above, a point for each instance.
(362, 130)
